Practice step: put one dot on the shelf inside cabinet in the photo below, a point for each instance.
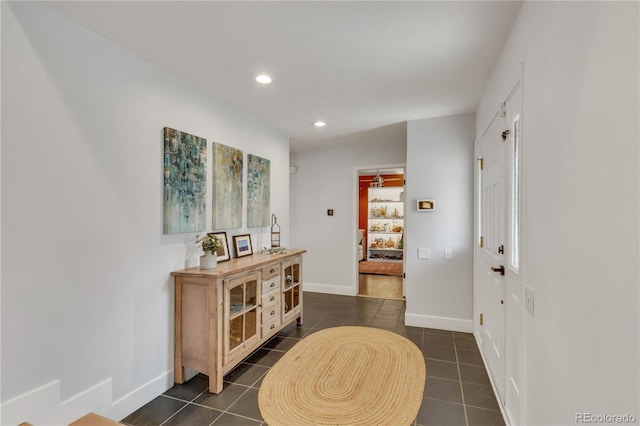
(291, 285)
(386, 201)
(385, 259)
(237, 308)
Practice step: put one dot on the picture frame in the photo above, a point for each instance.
(223, 251)
(242, 245)
(426, 205)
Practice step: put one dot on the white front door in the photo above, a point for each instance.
(499, 289)
(513, 278)
(490, 258)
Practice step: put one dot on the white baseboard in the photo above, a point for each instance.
(340, 290)
(42, 406)
(135, 399)
(440, 323)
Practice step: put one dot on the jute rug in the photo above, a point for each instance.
(345, 376)
(380, 268)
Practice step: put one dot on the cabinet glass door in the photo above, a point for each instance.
(291, 286)
(251, 313)
(243, 310)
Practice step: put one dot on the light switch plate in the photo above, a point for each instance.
(424, 253)
(448, 254)
(528, 299)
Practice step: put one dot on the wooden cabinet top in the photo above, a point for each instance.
(240, 264)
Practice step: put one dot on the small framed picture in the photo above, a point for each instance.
(242, 244)
(426, 205)
(223, 251)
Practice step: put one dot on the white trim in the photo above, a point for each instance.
(42, 405)
(341, 290)
(440, 323)
(135, 399)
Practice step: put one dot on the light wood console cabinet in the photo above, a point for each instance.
(223, 314)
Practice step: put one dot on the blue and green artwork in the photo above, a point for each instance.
(258, 191)
(227, 187)
(185, 158)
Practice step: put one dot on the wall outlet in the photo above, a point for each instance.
(528, 299)
(448, 254)
(424, 253)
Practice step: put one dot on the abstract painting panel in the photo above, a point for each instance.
(227, 187)
(258, 191)
(185, 157)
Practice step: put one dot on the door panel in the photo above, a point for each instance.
(491, 255)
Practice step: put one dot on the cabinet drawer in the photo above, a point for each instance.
(271, 312)
(271, 270)
(270, 284)
(270, 298)
(271, 326)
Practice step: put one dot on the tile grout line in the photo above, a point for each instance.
(174, 414)
(185, 405)
(464, 405)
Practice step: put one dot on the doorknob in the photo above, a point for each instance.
(498, 269)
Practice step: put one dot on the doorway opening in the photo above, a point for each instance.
(380, 233)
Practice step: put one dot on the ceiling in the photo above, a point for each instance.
(355, 65)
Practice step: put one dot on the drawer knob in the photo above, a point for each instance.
(272, 326)
(272, 298)
(272, 271)
(273, 312)
(272, 285)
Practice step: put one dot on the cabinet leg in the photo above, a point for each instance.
(299, 321)
(178, 375)
(216, 383)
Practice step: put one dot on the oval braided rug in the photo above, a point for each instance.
(345, 376)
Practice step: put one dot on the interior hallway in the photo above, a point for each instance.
(457, 390)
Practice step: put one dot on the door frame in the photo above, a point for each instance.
(354, 219)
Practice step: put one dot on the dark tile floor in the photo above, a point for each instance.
(457, 390)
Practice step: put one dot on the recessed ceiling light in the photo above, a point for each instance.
(263, 79)
(319, 124)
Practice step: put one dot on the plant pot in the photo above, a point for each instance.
(208, 260)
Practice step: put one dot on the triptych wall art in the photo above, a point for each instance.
(227, 187)
(258, 191)
(185, 159)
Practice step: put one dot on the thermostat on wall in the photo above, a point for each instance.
(426, 205)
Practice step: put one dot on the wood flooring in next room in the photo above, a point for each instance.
(380, 286)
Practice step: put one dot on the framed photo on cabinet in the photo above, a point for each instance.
(223, 251)
(242, 244)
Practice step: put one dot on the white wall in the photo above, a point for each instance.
(580, 201)
(325, 180)
(87, 301)
(439, 292)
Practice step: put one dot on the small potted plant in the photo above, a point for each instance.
(209, 243)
